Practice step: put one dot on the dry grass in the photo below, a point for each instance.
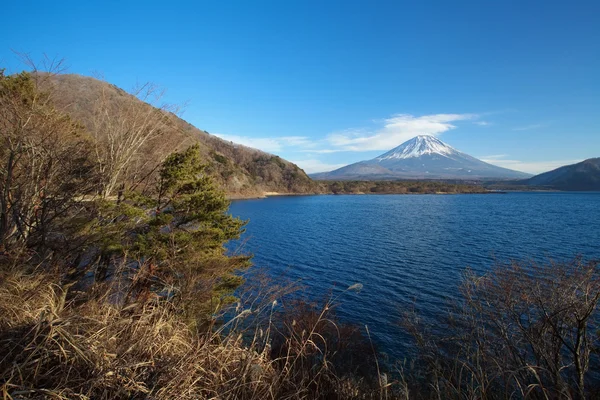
(58, 344)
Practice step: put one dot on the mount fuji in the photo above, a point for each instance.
(422, 157)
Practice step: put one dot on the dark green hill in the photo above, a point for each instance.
(583, 176)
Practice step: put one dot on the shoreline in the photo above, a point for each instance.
(278, 194)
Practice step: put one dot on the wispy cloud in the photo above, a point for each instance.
(528, 127)
(321, 151)
(395, 130)
(389, 133)
(482, 123)
(532, 167)
(312, 165)
(495, 157)
(297, 141)
(269, 144)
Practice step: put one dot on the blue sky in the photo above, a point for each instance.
(327, 83)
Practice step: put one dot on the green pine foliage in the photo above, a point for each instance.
(171, 235)
(182, 240)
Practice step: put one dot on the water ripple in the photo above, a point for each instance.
(407, 248)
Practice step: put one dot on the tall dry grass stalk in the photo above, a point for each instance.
(56, 342)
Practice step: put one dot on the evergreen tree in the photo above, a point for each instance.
(182, 244)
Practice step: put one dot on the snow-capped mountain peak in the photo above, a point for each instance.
(417, 147)
(423, 157)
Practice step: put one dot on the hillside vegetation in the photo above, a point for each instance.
(240, 170)
(398, 187)
(583, 176)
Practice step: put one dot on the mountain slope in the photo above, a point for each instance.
(242, 171)
(422, 157)
(582, 176)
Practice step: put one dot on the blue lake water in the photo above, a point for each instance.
(411, 248)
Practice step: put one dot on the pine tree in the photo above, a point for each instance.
(182, 244)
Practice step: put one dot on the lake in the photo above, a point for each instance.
(411, 249)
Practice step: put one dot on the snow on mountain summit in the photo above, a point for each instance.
(423, 157)
(417, 147)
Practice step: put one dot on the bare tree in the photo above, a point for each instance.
(126, 128)
(43, 161)
(525, 330)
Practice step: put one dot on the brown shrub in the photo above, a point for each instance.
(522, 330)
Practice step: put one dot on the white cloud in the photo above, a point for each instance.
(482, 123)
(311, 166)
(268, 144)
(321, 151)
(495, 157)
(528, 127)
(395, 130)
(532, 167)
(392, 132)
(296, 141)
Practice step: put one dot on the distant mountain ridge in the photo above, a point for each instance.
(422, 157)
(583, 176)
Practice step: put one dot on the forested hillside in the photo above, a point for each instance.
(102, 107)
(582, 176)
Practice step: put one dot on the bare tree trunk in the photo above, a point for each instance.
(124, 127)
